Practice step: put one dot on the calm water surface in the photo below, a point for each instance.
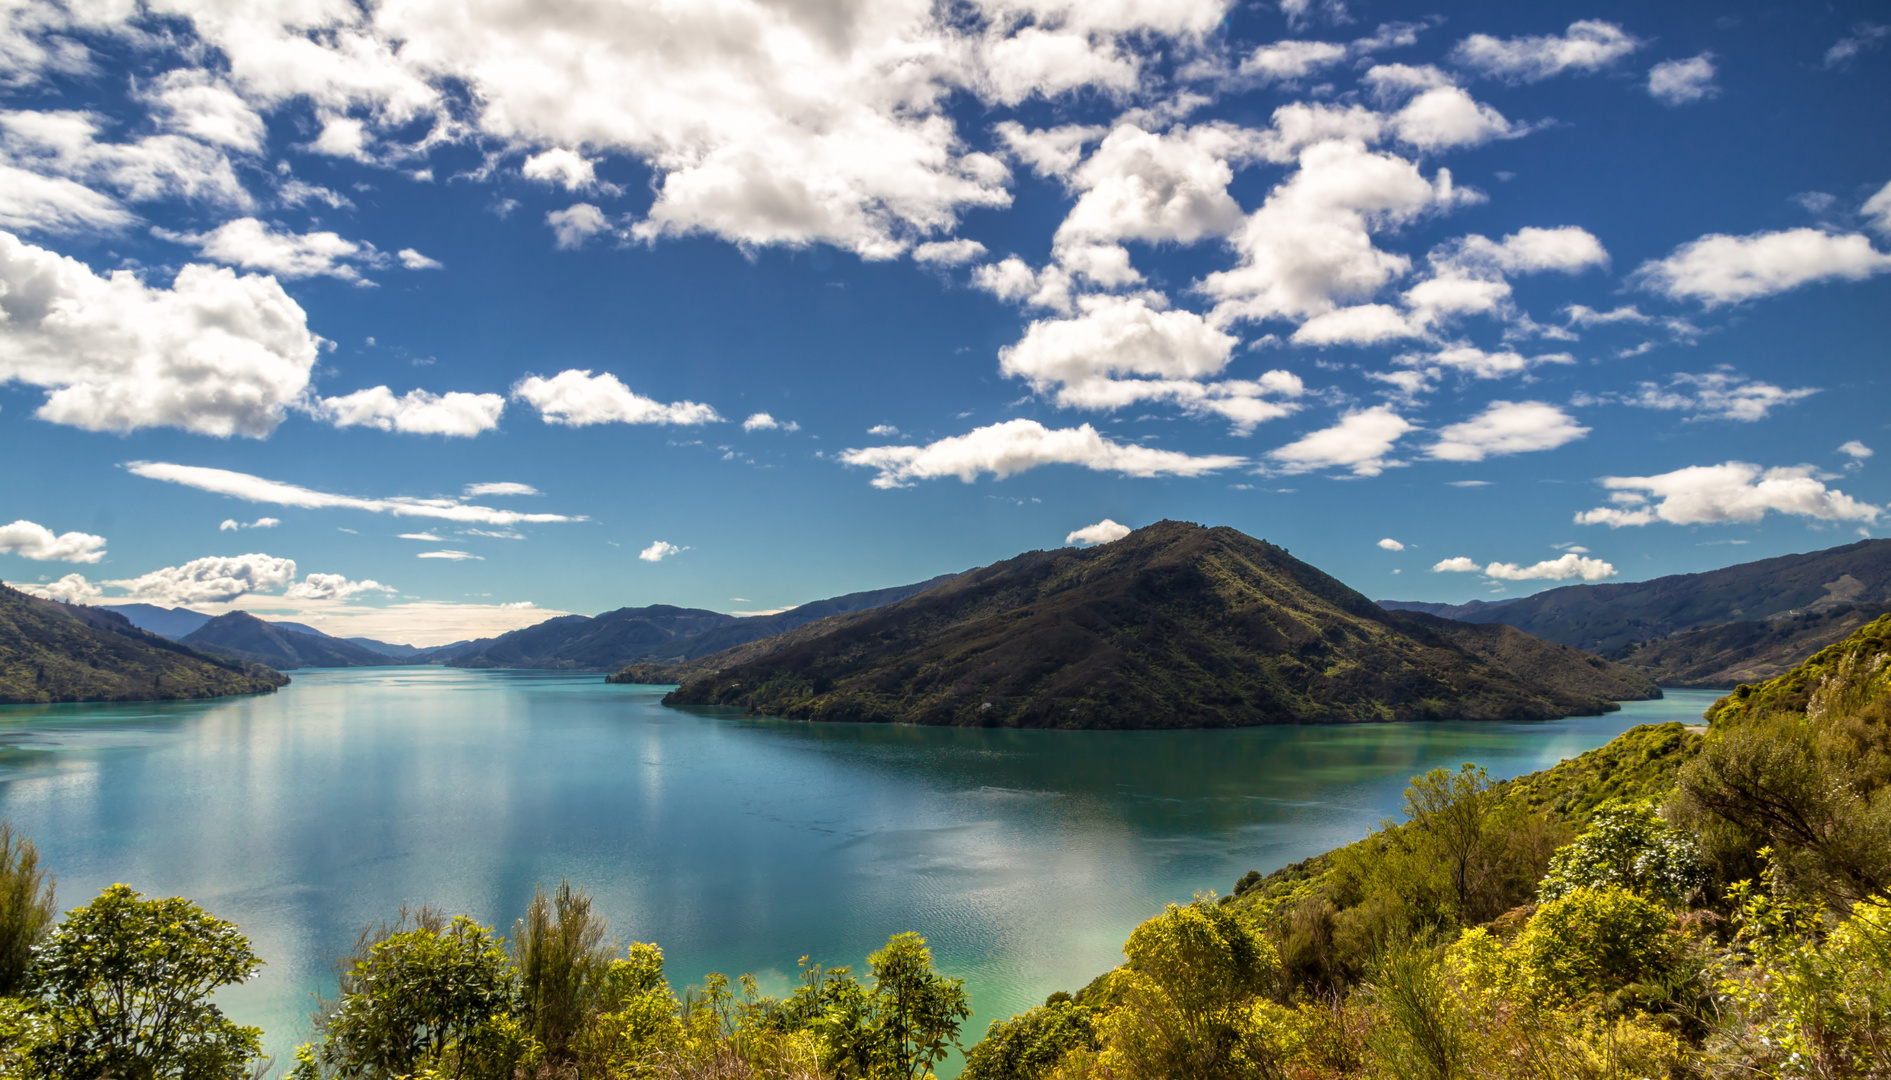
(736, 844)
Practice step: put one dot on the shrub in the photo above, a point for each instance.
(1627, 846)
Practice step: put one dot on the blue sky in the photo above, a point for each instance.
(742, 304)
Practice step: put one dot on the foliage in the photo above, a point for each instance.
(902, 1026)
(1841, 677)
(1628, 846)
(126, 983)
(26, 907)
(562, 961)
(1028, 1046)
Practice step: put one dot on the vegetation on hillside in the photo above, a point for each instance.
(1174, 625)
(1722, 657)
(51, 652)
(241, 636)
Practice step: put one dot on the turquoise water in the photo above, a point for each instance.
(736, 844)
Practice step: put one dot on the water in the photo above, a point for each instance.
(737, 844)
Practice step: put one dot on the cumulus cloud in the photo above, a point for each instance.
(213, 580)
(1855, 450)
(215, 353)
(333, 587)
(251, 243)
(1734, 491)
(762, 421)
(232, 525)
(1103, 532)
(1717, 395)
(1588, 45)
(1291, 61)
(451, 555)
(1683, 82)
(1864, 36)
(429, 537)
(575, 224)
(56, 205)
(1309, 247)
(560, 166)
(1877, 210)
(1506, 427)
(1459, 565)
(257, 489)
(65, 144)
(948, 252)
(1570, 565)
(414, 260)
(1362, 442)
(885, 431)
(31, 540)
(1390, 544)
(499, 487)
(1140, 185)
(1719, 269)
(1445, 117)
(415, 412)
(71, 589)
(1016, 445)
(194, 102)
(659, 550)
(577, 398)
(1479, 363)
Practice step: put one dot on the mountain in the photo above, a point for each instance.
(602, 643)
(172, 623)
(400, 652)
(1605, 618)
(246, 637)
(1746, 651)
(1175, 625)
(1534, 660)
(756, 627)
(60, 652)
(1462, 612)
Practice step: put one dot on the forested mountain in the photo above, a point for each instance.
(246, 637)
(583, 642)
(1605, 618)
(60, 652)
(1175, 625)
(1721, 657)
(757, 627)
(172, 623)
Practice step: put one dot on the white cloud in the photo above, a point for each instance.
(451, 556)
(560, 166)
(55, 204)
(1390, 544)
(1051, 151)
(65, 144)
(414, 260)
(1362, 442)
(250, 243)
(500, 487)
(1877, 210)
(659, 550)
(578, 398)
(1734, 491)
(30, 540)
(1459, 565)
(885, 431)
(1583, 315)
(333, 587)
(1140, 185)
(1361, 324)
(1016, 445)
(1445, 117)
(426, 536)
(214, 354)
(215, 579)
(948, 252)
(1103, 532)
(1506, 427)
(232, 525)
(194, 102)
(71, 589)
(1855, 450)
(1476, 362)
(1682, 82)
(257, 489)
(1864, 36)
(1719, 269)
(1588, 45)
(1291, 61)
(575, 224)
(415, 412)
(1390, 82)
(1568, 566)
(762, 421)
(1309, 246)
(1717, 395)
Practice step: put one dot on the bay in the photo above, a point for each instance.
(737, 844)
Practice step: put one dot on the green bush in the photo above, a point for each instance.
(1627, 846)
(1596, 941)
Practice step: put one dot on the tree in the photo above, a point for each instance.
(26, 907)
(423, 997)
(127, 983)
(919, 1010)
(1628, 846)
(562, 959)
(1490, 848)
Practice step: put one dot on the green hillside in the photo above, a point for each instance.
(1747, 651)
(1175, 625)
(52, 652)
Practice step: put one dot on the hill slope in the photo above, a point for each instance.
(172, 623)
(1747, 651)
(1604, 618)
(582, 642)
(246, 637)
(56, 652)
(1534, 660)
(1175, 625)
(757, 627)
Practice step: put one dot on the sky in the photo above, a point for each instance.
(425, 320)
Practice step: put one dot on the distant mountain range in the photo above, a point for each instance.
(242, 636)
(52, 652)
(1175, 625)
(1713, 629)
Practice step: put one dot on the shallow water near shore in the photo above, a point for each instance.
(736, 844)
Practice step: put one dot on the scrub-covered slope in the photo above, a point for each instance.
(55, 652)
(1175, 625)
